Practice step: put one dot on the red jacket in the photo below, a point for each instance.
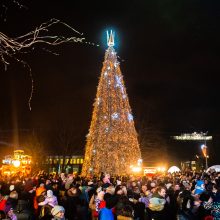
(3, 204)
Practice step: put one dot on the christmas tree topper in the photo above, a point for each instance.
(110, 38)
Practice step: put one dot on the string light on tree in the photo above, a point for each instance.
(98, 101)
(112, 131)
(130, 117)
(115, 115)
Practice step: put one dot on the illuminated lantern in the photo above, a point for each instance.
(204, 150)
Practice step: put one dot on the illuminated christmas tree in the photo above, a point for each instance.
(112, 145)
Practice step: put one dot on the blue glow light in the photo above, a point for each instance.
(130, 117)
(104, 38)
(119, 83)
(115, 115)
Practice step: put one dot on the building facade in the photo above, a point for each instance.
(65, 164)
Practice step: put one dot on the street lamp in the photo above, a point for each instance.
(204, 151)
(16, 163)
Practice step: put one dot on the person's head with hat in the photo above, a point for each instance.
(58, 212)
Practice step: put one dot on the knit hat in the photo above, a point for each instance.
(56, 209)
(90, 183)
(200, 187)
(11, 187)
(49, 193)
(168, 185)
(118, 182)
(153, 184)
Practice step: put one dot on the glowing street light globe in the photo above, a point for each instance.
(16, 163)
(173, 169)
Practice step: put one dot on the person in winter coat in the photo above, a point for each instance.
(157, 204)
(50, 199)
(214, 203)
(72, 203)
(3, 200)
(158, 201)
(22, 210)
(106, 212)
(40, 191)
(11, 215)
(185, 205)
(12, 201)
(96, 203)
(124, 210)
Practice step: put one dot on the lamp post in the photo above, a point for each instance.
(204, 151)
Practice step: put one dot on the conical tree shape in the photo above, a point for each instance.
(112, 145)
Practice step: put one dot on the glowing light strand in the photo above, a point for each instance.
(115, 115)
(119, 83)
(193, 136)
(130, 117)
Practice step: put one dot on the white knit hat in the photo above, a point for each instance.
(153, 184)
(11, 187)
(56, 209)
(49, 193)
(168, 185)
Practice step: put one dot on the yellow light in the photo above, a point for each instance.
(136, 169)
(161, 169)
(16, 163)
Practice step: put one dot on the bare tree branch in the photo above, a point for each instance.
(10, 47)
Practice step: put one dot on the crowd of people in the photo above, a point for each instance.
(181, 196)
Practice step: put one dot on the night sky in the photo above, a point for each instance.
(169, 57)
